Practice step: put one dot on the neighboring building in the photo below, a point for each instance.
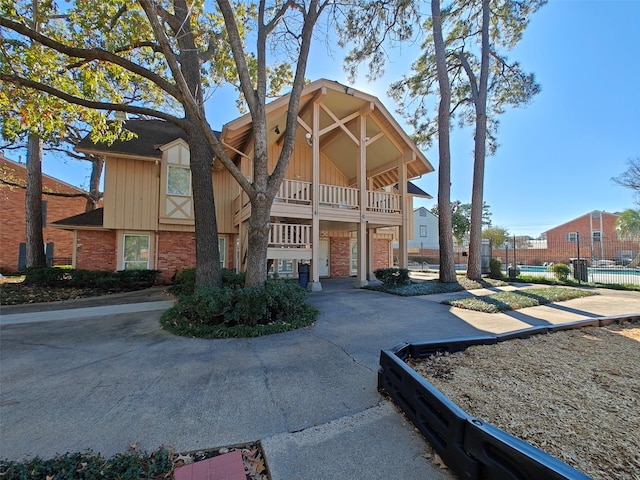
(337, 209)
(597, 234)
(591, 236)
(12, 215)
(423, 229)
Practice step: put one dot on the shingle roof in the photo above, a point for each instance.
(94, 218)
(413, 189)
(151, 134)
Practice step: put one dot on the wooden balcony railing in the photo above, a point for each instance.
(294, 191)
(300, 193)
(339, 197)
(290, 235)
(383, 202)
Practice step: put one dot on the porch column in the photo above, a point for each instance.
(403, 231)
(315, 284)
(363, 250)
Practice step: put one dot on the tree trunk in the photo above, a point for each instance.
(447, 266)
(207, 254)
(33, 204)
(258, 241)
(474, 271)
(97, 165)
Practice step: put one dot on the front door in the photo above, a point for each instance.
(323, 268)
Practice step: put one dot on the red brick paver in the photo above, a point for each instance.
(223, 467)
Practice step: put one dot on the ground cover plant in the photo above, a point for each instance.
(430, 287)
(133, 465)
(523, 298)
(573, 394)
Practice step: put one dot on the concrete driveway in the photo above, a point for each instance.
(107, 381)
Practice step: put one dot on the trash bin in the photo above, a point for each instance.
(303, 274)
(580, 269)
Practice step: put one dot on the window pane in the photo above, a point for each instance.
(136, 252)
(222, 249)
(178, 181)
(423, 230)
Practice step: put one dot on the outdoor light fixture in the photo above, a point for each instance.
(309, 139)
(277, 130)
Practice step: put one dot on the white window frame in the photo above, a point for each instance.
(597, 236)
(222, 250)
(171, 168)
(126, 262)
(572, 236)
(423, 231)
(353, 257)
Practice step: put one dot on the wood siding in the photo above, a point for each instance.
(131, 194)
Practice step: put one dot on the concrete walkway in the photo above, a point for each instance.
(106, 376)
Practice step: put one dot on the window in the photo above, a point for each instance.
(423, 230)
(354, 257)
(136, 252)
(597, 236)
(285, 266)
(178, 181)
(222, 249)
(572, 237)
(423, 212)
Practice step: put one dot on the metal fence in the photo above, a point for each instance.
(591, 260)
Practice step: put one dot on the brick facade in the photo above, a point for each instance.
(96, 250)
(12, 215)
(340, 256)
(381, 253)
(176, 251)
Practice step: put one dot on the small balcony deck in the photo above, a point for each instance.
(295, 200)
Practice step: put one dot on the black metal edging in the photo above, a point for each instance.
(472, 448)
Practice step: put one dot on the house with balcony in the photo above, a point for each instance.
(345, 198)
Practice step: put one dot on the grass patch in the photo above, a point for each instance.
(527, 297)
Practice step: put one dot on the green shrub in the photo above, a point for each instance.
(184, 281)
(392, 277)
(561, 271)
(102, 280)
(278, 305)
(495, 269)
(47, 276)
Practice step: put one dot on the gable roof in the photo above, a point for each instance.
(92, 219)
(150, 136)
(8, 167)
(602, 212)
(413, 189)
(389, 142)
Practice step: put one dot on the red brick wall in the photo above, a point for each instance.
(96, 250)
(340, 256)
(582, 225)
(381, 253)
(176, 251)
(12, 215)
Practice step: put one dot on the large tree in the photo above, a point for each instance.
(483, 83)
(630, 178)
(180, 49)
(628, 227)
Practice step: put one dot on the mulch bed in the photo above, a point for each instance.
(574, 394)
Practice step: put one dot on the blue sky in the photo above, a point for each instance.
(557, 155)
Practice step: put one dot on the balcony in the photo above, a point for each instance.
(295, 200)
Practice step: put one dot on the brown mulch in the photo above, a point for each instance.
(574, 394)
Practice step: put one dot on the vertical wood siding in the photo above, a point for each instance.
(131, 194)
